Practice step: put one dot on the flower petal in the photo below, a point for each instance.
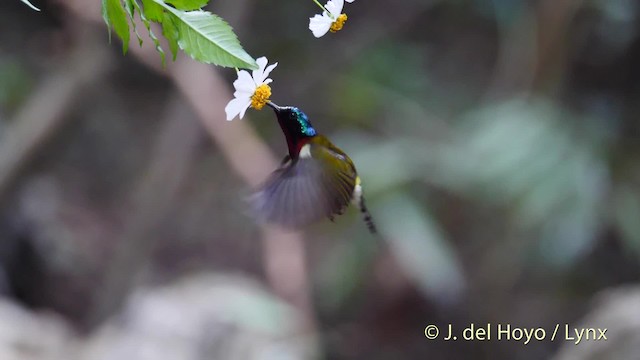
(259, 73)
(245, 107)
(320, 24)
(237, 106)
(243, 94)
(262, 62)
(349, 1)
(335, 8)
(244, 83)
(266, 73)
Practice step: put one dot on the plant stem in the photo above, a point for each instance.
(321, 6)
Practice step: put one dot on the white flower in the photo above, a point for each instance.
(251, 90)
(331, 19)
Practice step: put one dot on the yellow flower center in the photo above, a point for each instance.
(260, 96)
(339, 23)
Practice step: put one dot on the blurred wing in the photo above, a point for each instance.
(305, 191)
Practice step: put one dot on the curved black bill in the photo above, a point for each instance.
(274, 106)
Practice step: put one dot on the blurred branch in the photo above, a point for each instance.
(152, 199)
(252, 160)
(554, 19)
(43, 113)
(206, 91)
(517, 48)
(532, 46)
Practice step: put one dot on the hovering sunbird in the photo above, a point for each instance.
(315, 180)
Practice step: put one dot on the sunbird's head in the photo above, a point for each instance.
(293, 120)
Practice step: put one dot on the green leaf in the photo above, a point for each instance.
(188, 5)
(626, 210)
(152, 11)
(130, 7)
(15, 83)
(30, 5)
(147, 24)
(208, 39)
(420, 246)
(170, 32)
(345, 270)
(115, 17)
(105, 17)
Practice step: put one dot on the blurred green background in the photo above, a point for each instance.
(498, 142)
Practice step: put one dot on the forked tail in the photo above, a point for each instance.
(359, 199)
(368, 219)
